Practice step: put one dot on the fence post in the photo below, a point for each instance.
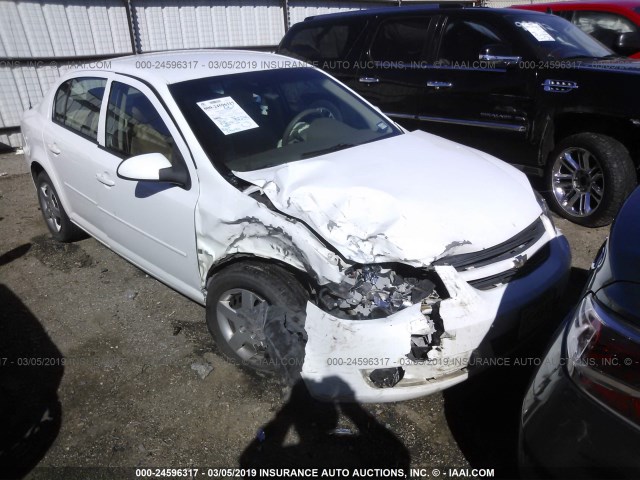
(134, 29)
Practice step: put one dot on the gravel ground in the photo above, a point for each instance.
(131, 377)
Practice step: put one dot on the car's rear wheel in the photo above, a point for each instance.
(236, 301)
(589, 176)
(54, 214)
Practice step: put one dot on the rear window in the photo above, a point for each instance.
(323, 42)
(77, 105)
(400, 40)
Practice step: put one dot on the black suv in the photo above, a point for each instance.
(527, 87)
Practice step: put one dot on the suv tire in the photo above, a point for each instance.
(588, 178)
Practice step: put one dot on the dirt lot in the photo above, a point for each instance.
(129, 377)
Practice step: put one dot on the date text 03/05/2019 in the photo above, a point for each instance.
(413, 473)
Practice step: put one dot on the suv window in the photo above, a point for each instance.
(400, 40)
(77, 105)
(324, 42)
(463, 40)
(603, 26)
(134, 126)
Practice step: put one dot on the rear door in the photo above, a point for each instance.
(331, 46)
(391, 71)
(71, 141)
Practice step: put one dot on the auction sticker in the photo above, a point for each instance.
(537, 31)
(227, 115)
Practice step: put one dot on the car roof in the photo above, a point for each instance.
(175, 66)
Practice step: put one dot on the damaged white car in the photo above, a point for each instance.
(325, 241)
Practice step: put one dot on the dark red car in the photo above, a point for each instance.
(614, 23)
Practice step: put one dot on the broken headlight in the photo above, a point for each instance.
(375, 291)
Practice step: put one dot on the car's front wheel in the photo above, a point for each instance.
(589, 176)
(54, 214)
(237, 298)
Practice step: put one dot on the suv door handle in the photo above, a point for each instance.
(53, 148)
(439, 85)
(369, 80)
(104, 178)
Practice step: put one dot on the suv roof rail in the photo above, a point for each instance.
(385, 10)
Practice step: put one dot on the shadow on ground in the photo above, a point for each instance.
(320, 442)
(31, 368)
(483, 413)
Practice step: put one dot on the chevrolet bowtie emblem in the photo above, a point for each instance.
(520, 260)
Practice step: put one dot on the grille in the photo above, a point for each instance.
(530, 265)
(507, 249)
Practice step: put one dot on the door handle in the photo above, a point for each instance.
(53, 148)
(104, 178)
(369, 80)
(439, 85)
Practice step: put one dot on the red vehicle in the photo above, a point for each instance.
(615, 23)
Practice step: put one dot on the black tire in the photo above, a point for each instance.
(270, 285)
(53, 213)
(588, 178)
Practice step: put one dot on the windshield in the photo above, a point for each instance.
(557, 39)
(253, 120)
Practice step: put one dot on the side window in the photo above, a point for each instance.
(463, 40)
(134, 126)
(603, 26)
(400, 40)
(325, 42)
(566, 14)
(77, 105)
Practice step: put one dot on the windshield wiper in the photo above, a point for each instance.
(335, 148)
(577, 57)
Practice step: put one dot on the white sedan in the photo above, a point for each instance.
(326, 243)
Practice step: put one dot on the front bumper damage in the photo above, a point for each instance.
(341, 354)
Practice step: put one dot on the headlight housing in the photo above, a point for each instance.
(545, 208)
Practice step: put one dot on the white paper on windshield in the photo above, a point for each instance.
(537, 31)
(227, 115)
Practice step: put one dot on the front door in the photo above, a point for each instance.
(150, 223)
(482, 102)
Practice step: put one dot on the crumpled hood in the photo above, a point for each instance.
(411, 198)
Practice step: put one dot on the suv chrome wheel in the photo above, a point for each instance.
(578, 181)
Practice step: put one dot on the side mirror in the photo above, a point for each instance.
(153, 167)
(498, 53)
(628, 43)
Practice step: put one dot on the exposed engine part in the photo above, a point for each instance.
(386, 377)
(375, 292)
(423, 342)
